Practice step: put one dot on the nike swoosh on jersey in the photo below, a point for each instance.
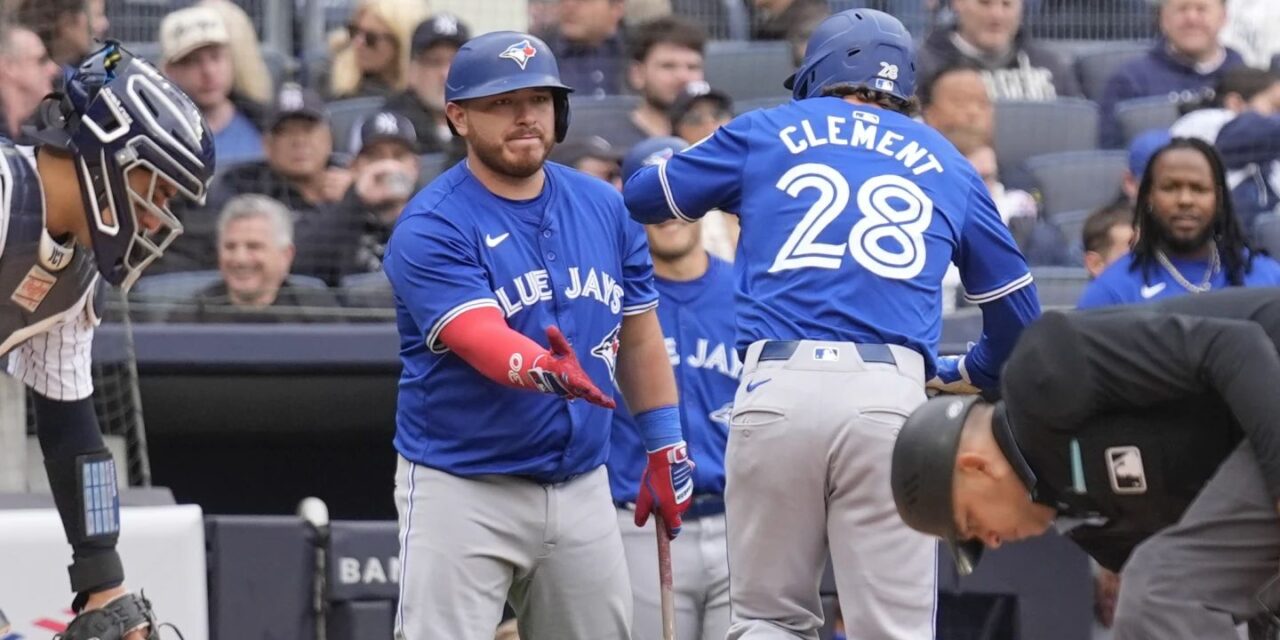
(492, 241)
(1148, 292)
(752, 386)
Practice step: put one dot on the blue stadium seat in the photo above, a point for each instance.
(1095, 68)
(1266, 233)
(1071, 224)
(366, 290)
(747, 70)
(182, 285)
(149, 51)
(1075, 180)
(432, 165)
(599, 116)
(722, 19)
(347, 114)
(1140, 114)
(1059, 286)
(1026, 129)
(281, 66)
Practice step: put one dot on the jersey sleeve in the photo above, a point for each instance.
(707, 175)
(991, 265)
(56, 363)
(1099, 293)
(436, 274)
(638, 291)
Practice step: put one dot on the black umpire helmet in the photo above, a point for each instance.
(924, 462)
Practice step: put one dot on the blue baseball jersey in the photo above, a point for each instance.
(1120, 283)
(697, 320)
(569, 257)
(850, 217)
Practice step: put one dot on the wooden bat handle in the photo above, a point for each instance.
(664, 580)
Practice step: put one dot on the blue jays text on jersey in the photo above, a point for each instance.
(850, 216)
(1123, 284)
(697, 320)
(569, 257)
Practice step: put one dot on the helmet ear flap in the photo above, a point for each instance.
(53, 121)
(561, 103)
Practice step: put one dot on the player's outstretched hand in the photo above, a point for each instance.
(951, 377)
(666, 486)
(559, 372)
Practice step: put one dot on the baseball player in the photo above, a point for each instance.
(850, 212)
(695, 291)
(1189, 239)
(112, 150)
(498, 266)
(1152, 428)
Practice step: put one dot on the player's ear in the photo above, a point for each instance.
(1093, 263)
(457, 117)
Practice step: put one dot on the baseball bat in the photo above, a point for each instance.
(664, 580)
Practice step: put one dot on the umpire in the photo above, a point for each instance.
(1152, 435)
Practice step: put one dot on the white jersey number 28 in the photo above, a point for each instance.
(889, 239)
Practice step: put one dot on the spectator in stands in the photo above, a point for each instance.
(955, 99)
(1253, 29)
(373, 59)
(591, 155)
(435, 42)
(67, 27)
(1188, 237)
(590, 45)
(666, 55)
(1239, 90)
(1185, 64)
(1250, 148)
(1106, 236)
(790, 20)
(989, 36)
(698, 111)
(196, 55)
(252, 79)
(255, 252)
(386, 173)
(26, 77)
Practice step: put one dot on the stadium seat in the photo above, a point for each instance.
(149, 51)
(1140, 114)
(1071, 224)
(1026, 129)
(747, 70)
(182, 285)
(432, 165)
(599, 116)
(1074, 180)
(1096, 67)
(742, 106)
(281, 67)
(366, 290)
(722, 19)
(1266, 233)
(1059, 286)
(345, 115)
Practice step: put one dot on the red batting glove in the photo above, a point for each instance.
(559, 372)
(666, 487)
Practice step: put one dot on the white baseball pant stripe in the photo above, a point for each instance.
(699, 576)
(470, 544)
(808, 470)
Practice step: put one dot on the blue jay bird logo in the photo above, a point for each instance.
(607, 350)
(519, 52)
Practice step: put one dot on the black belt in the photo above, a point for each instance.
(784, 349)
(703, 506)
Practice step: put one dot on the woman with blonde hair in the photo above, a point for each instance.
(251, 78)
(373, 57)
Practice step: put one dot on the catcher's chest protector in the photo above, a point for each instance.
(38, 284)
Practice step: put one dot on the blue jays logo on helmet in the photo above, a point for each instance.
(136, 140)
(859, 47)
(520, 53)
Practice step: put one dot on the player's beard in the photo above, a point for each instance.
(1181, 245)
(496, 157)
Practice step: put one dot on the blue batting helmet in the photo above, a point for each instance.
(861, 47)
(117, 115)
(650, 151)
(505, 61)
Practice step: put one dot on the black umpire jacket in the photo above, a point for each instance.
(1121, 415)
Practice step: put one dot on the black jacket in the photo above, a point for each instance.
(1123, 414)
(1029, 71)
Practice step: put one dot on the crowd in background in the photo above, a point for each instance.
(316, 163)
